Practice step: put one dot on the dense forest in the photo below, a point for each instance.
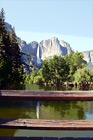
(11, 69)
(57, 71)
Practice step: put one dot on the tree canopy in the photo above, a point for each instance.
(60, 70)
(55, 70)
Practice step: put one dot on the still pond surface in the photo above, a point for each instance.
(46, 110)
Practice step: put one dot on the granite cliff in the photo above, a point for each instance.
(88, 56)
(46, 49)
(34, 53)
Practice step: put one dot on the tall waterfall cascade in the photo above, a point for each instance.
(38, 55)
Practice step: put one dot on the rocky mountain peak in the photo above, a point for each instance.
(54, 39)
(46, 49)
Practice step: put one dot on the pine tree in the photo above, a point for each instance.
(11, 70)
(17, 68)
(7, 42)
(5, 53)
(2, 35)
(2, 15)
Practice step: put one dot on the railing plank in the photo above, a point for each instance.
(47, 95)
(46, 124)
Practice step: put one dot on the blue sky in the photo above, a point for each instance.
(68, 20)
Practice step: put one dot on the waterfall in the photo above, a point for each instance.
(38, 55)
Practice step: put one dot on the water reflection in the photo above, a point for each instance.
(45, 110)
(53, 88)
(76, 110)
(38, 109)
(67, 110)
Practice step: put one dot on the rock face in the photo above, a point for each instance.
(88, 56)
(34, 53)
(46, 49)
(52, 47)
(29, 54)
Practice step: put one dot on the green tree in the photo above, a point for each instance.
(58, 70)
(82, 76)
(38, 79)
(5, 41)
(17, 67)
(55, 70)
(46, 71)
(5, 58)
(91, 76)
(11, 70)
(2, 35)
(31, 76)
(74, 61)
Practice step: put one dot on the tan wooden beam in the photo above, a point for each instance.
(46, 124)
(47, 95)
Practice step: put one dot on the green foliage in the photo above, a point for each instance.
(46, 72)
(55, 70)
(74, 61)
(82, 76)
(34, 77)
(38, 80)
(59, 70)
(29, 78)
(91, 76)
(17, 68)
(2, 35)
(11, 69)
(5, 72)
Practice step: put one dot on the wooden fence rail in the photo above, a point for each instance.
(46, 124)
(47, 95)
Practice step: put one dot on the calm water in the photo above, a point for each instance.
(46, 110)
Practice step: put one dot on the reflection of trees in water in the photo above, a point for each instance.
(9, 109)
(7, 132)
(69, 110)
(16, 109)
(80, 114)
(19, 109)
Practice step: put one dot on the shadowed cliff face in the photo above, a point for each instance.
(88, 56)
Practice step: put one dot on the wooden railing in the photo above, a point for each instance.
(46, 96)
